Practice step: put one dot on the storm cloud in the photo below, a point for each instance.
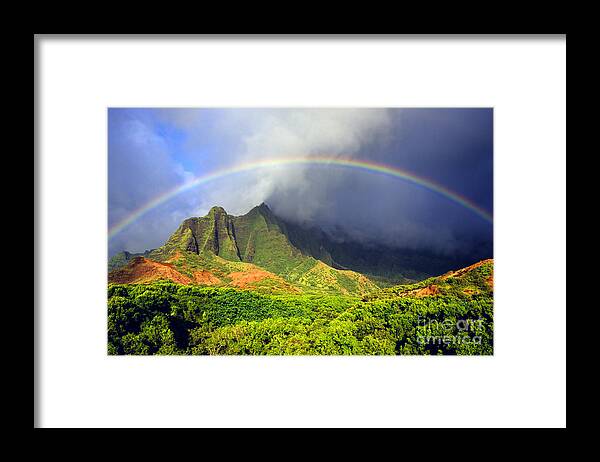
(152, 151)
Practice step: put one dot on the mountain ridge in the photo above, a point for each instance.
(276, 254)
(249, 251)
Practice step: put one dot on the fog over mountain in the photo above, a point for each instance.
(152, 151)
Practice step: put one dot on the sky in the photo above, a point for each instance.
(154, 151)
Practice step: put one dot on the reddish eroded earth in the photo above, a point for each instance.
(489, 280)
(435, 290)
(244, 278)
(206, 278)
(427, 291)
(141, 270)
(424, 292)
(462, 271)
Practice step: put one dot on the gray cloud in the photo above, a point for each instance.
(453, 147)
(140, 165)
(285, 133)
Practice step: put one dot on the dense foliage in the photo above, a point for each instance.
(165, 318)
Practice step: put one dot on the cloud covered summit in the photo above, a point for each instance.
(152, 151)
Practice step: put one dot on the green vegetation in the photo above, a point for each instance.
(166, 318)
(256, 285)
(223, 244)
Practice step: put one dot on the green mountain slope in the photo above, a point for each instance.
(474, 280)
(290, 249)
(447, 315)
(251, 251)
(263, 241)
(213, 233)
(275, 254)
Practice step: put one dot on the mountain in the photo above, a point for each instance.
(382, 263)
(474, 280)
(251, 251)
(213, 233)
(300, 294)
(262, 251)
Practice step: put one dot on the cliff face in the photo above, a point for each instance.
(289, 250)
(257, 248)
(262, 239)
(214, 233)
(305, 258)
(257, 237)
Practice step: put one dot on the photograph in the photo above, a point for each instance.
(300, 231)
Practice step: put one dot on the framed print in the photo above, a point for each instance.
(345, 253)
(300, 232)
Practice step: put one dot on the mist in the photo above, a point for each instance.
(154, 150)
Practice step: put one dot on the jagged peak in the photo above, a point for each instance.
(216, 209)
(264, 210)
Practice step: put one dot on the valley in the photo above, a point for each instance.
(255, 285)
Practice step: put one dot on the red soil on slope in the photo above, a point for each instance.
(141, 270)
(206, 278)
(244, 278)
(427, 291)
(462, 271)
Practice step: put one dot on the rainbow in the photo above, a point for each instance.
(371, 167)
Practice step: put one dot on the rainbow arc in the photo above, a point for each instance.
(368, 166)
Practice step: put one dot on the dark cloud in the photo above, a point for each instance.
(152, 151)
